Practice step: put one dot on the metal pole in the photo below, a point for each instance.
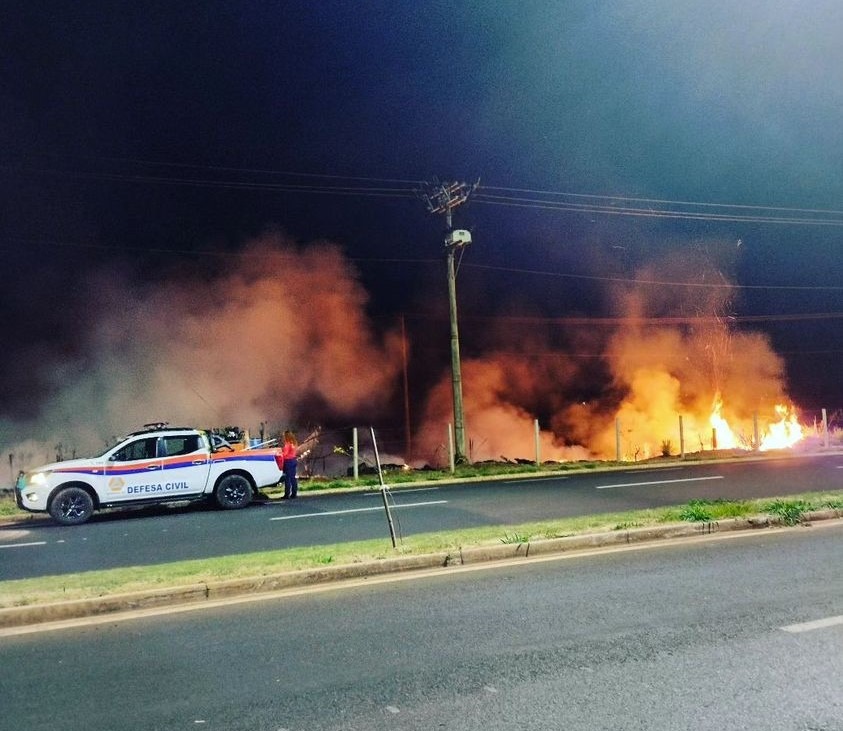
(407, 434)
(538, 445)
(756, 442)
(356, 468)
(450, 439)
(383, 488)
(681, 438)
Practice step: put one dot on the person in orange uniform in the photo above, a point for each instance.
(290, 454)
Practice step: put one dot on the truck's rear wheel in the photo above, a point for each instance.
(71, 506)
(234, 491)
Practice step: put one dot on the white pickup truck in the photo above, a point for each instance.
(157, 464)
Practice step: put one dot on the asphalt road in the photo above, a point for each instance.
(743, 632)
(162, 534)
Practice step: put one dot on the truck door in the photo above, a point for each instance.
(186, 463)
(133, 471)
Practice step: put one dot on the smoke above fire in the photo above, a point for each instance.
(670, 349)
(279, 334)
(270, 330)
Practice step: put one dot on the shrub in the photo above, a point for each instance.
(515, 538)
(790, 511)
(696, 511)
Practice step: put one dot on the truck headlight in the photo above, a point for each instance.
(38, 478)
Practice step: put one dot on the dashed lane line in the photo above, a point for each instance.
(659, 482)
(358, 510)
(404, 491)
(532, 480)
(24, 545)
(816, 624)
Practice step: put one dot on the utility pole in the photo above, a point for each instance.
(442, 198)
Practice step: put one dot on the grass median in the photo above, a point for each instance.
(91, 584)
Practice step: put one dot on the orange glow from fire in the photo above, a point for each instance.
(780, 434)
(695, 386)
(724, 434)
(784, 433)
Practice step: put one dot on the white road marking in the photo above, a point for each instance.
(535, 479)
(659, 482)
(392, 709)
(816, 624)
(357, 510)
(403, 492)
(661, 470)
(23, 545)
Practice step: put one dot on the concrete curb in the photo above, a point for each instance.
(207, 591)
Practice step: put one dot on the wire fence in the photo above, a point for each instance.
(333, 455)
(348, 451)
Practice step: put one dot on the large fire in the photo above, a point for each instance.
(780, 434)
(674, 373)
(670, 368)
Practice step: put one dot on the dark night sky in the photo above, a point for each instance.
(149, 143)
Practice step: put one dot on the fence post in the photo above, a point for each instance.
(356, 469)
(756, 442)
(538, 444)
(451, 448)
(617, 440)
(825, 428)
(681, 438)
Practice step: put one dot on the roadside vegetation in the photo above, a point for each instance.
(788, 510)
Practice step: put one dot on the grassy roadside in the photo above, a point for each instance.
(89, 584)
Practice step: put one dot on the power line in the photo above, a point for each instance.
(662, 201)
(655, 282)
(194, 252)
(225, 184)
(650, 212)
(401, 188)
(415, 261)
(261, 171)
(417, 183)
(574, 321)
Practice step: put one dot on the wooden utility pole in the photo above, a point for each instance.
(442, 198)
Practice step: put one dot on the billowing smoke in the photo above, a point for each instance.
(674, 350)
(279, 333)
(273, 329)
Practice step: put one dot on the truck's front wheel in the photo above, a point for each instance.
(233, 491)
(71, 506)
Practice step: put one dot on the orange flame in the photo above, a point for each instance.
(725, 437)
(785, 432)
(781, 434)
